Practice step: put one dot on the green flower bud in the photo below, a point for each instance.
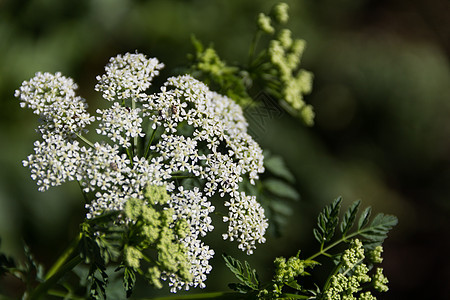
(153, 275)
(264, 23)
(285, 38)
(132, 257)
(353, 255)
(151, 233)
(133, 209)
(361, 273)
(375, 255)
(157, 194)
(366, 296)
(307, 115)
(280, 13)
(380, 281)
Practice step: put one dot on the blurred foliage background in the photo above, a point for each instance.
(381, 95)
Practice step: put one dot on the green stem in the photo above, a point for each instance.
(63, 258)
(147, 148)
(45, 286)
(251, 52)
(135, 139)
(130, 156)
(294, 296)
(212, 295)
(334, 272)
(183, 176)
(85, 140)
(342, 239)
(64, 295)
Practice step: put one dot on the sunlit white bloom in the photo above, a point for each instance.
(127, 76)
(120, 124)
(246, 222)
(52, 97)
(55, 161)
(196, 134)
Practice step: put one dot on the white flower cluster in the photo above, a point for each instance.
(127, 76)
(55, 161)
(52, 97)
(195, 208)
(197, 134)
(247, 222)
(120, 124)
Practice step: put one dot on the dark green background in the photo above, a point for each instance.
(381, 95)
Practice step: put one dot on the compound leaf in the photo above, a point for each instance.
(377, 231)
(243, 272)
(327, 222)
(349, 217)
(364, 218)
(281, 189)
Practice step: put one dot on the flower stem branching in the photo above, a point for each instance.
(89, 143)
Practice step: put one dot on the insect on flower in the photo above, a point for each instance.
(174, 109)
(113, 166)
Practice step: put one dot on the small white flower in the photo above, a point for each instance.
(127, 76)
(52, 97)
(120, 124)
(246, 222)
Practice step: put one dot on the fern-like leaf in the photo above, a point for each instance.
(327, 222)
(364, 218)
(243, 272)
(129, 280)
(377, 231)
(349, 217)
(98, 285)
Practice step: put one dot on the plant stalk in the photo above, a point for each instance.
(48, 283)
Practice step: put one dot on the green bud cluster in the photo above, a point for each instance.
(208, 66)
(285, 54)
(276, 69)
(380, 281)
(151, 227)
(280, 13)
(132, 256)
(290, 82)
(353, 255)
(375, 255)
(286, 271)
(264, 23)
(353, 272)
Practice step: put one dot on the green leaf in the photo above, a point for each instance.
(377, 232)
(280, 207)
(275, 164)
(129, 280)
(294, 284)
(97, 290)
(197, 44)
(327, 222)
(349, 217)
(244, 273)
(318, 235)
(32, 266)
(364, 218)
(281, 189)
(6, 262)
(239, 287)
(98, 285)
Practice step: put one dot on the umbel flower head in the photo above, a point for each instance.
(185, 138)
